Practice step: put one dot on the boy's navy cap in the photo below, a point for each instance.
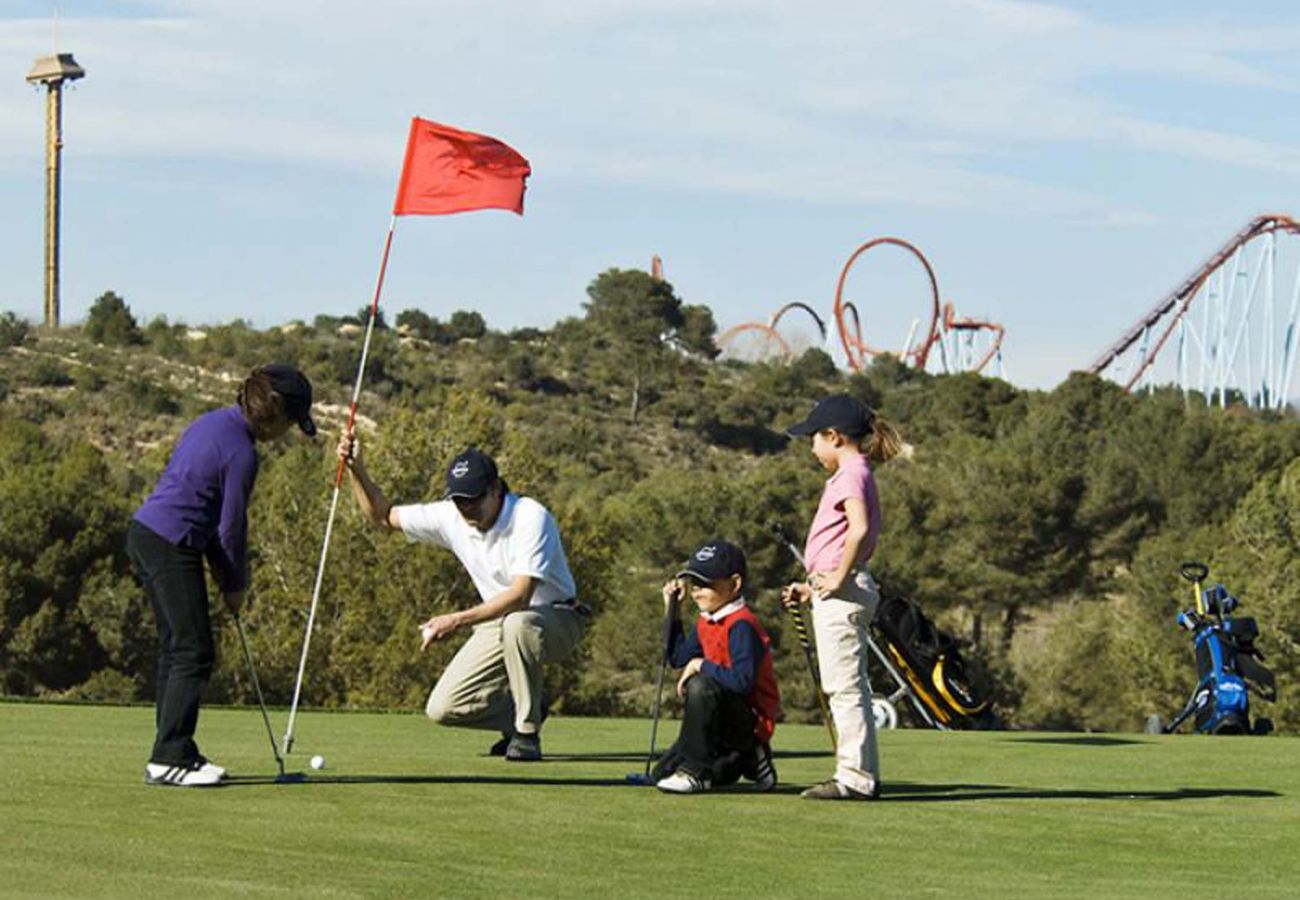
(294, 387)
(838, 411)
(470, 474)
(716, 559)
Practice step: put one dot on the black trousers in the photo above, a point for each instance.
(173, 581)
(717, 737)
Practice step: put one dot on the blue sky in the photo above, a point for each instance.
(1062, 165)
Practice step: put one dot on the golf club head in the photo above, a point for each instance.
(291, 778)
(638, 778)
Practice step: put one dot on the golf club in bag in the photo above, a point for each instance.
(1227, 662)
(281, 777)
(671, 613)
(923, 662)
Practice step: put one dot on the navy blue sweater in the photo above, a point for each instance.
(746, 653)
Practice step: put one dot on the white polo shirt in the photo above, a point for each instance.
(524, 540)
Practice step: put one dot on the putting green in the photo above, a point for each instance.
(405, 808)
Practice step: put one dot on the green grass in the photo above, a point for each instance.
(410, 809)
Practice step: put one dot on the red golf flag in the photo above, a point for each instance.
(448, 170)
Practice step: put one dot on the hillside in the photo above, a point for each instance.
(1044, 528)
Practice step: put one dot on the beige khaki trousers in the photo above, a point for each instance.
(840, 625)
(495, 680)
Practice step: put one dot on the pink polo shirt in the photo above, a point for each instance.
(825, 545)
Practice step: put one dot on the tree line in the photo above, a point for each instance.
(1045, 529)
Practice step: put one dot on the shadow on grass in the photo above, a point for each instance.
(947, 793)
(897, 792)
(606, 756)
(634, 756)
(256, 780)
(1081, 741)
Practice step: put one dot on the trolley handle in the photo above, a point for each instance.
(1194, 572)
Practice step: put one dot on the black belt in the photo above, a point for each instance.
(581, 609)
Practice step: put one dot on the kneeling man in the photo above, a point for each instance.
(510, 548)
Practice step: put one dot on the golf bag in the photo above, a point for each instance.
(1228, 663)
(931, 664)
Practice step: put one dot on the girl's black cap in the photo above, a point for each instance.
(838, 411)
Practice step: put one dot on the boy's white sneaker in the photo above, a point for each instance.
(196, 774)
(682, 783)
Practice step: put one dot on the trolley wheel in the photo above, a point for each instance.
(884, 712)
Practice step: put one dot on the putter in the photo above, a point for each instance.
(797, 614)
(282, 777)
(670, 616)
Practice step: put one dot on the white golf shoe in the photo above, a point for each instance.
(196, 774)
(683, 783)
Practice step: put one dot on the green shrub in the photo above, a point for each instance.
(47, 372)
(110, 321)
(13, 330)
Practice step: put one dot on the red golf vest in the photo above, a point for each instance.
(764, 698)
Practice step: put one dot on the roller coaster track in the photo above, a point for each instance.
(855, 349)
(1220, 351)
(956, 338)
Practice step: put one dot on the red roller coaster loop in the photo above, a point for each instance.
(770, 334)
(855, 349)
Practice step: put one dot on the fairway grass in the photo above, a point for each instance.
(406, 808)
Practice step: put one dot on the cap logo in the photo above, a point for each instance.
(460, 469)
(704, 554)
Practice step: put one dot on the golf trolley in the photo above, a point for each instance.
(923, 663)
(1227, 662)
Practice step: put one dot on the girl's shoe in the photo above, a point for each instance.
(833, 790)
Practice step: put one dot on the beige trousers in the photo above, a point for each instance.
(840, 625)
(495, 680)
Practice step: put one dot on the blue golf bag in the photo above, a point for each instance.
(1228, 663)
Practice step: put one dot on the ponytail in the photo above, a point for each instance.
(884, 443)
(261, 404)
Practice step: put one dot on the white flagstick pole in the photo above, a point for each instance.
(338, 481)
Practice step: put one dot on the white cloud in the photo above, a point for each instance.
(620, 88)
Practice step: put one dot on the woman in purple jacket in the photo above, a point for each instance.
(198, 510)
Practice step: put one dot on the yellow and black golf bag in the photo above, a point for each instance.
(929, 661)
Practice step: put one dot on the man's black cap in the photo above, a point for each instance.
(470, 474)
(716, 559)
(839, 411)
(294, 387)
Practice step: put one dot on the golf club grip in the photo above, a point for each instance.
(800, 627)
(670, 616)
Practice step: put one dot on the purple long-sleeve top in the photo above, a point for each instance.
(201, 500)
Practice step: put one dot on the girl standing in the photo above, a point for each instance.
(848, 438)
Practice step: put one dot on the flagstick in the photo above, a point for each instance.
(338, 481)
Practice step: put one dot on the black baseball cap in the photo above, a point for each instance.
(839, 411)
(470, 474)
(715, 559)
(294, 387)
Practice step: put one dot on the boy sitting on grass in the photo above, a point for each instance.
(727, 680)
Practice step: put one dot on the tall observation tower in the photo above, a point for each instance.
(53, 71)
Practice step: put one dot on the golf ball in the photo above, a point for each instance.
(318, 762)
